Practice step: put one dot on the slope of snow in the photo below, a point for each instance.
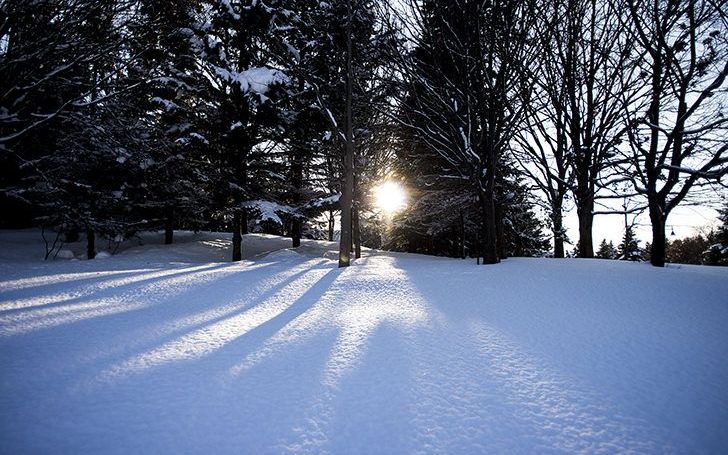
(169, 349)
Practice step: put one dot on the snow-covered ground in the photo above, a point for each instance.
(169, 349)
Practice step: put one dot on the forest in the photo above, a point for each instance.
(284, 116)
(363, 226)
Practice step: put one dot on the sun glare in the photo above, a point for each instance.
(390, 197)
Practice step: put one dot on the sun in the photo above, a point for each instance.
(390, 197)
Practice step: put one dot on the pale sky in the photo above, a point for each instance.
(685, 220)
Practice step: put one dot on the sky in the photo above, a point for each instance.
(686, 221)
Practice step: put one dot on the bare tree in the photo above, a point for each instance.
(541, 146)
(677, 129)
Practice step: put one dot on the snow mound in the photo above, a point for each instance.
(65, 254)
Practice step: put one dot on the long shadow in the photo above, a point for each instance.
(8, 294)
(255, 339)
(66, 306)
(240, 308)
(75, 316)
(97, 275)
(105, 287)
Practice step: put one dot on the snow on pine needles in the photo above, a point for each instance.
(169, 349)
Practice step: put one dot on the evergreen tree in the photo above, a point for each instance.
(173, 101)
(717, 253)
(446, 221)
(606, 250)
(55, 84)
(629, 249)
(242, 99)
(86, 174)
(688, 250)
(466, 77)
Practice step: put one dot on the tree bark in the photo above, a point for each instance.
(558, 229)
(461, 247)
(331, 226)
(71, 235)
(169, 226)
(296, 232)
(237, 237)
(586, 221)
(90, 244)
(490, 247)
(347, 195)
(500, 232)
(356, 226)
(297, 174)
(243, 221)
(659, 240)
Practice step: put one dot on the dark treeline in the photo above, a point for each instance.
(118, 116)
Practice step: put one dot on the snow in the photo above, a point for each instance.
(268, 210)
(168, 105)
(255, 80)
(171, 349)
(65, 254)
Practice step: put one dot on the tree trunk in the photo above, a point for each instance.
(558, 229)
(490, 243)
(357, 232)
(297, 174)
(331, 225)
(461, 247)
(584, 194)
(169, 226)
(347, 191)
(345, 242)
(500, 232)
(237, 237)
(659, 240)
(71, 235)
(296, 226)
(586, 220)
(90, 244)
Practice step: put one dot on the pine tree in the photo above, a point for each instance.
(87, 173)
(175, 192)
(606, 250)
(465, 80)
(717, 253)
(56, 87)
(242, 101)
(629, 249)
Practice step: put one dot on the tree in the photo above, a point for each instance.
(463, 85)
(443, 219)
(606, 250)
(575, 121)
(676, 128)
(347, 187)
(629, 249)
(243, 96)
(717, 253)
(52, 79)
(336, 53)
(688, 250)
(85, 130)
(175, 188)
